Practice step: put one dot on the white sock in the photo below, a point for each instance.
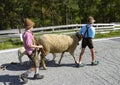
(36, 70)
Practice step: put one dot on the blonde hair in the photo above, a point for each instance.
(90, 18)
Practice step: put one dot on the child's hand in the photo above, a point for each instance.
(40, 46)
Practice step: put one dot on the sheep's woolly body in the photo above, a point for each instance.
(54, 43)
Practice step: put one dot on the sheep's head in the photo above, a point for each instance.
(79, 36)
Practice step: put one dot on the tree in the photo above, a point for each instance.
(56, 12)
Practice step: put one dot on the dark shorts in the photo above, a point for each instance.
(34, 57)
(87, 42)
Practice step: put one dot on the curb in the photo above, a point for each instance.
(8, 50)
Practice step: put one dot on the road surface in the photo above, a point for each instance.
(106, 73)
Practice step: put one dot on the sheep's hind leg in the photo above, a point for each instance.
(20, 59)
(20, 55)
(43, 62)
(61, 58)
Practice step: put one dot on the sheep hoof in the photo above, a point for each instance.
(45, 68)
(76, 62)
(58, 63)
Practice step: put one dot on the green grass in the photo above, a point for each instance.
(15, 43)
(107, 35)
(11, 43)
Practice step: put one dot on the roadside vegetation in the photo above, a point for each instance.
(108, 35)
(16, 42)
(56, 12)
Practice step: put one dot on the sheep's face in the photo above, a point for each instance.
(78, 36)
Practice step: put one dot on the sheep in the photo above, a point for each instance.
(22, 52)
(54, 43)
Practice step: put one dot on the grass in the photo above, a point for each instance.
(117, 26)
(11, 43)
(107, 35)
(15, 43)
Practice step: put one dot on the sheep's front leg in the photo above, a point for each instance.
(43, 62)
(74, 57)
(61, 58)
(54, 56)
(20, 59)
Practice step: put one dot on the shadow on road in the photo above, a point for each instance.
(16, 66)
(10, 80)
(52, 63)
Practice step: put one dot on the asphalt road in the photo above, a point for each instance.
(106, 73)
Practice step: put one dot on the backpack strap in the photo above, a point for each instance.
(86, 31)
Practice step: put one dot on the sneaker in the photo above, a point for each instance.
(37, 76)
(80, 65)
(24, 77)
(95, 63)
